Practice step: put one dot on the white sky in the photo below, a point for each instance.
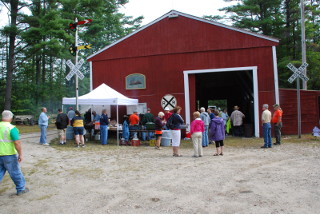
(153, 9)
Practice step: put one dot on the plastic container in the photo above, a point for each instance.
(152, 142)
(135, 142)
(165, 141)
(166, 134)
(69, 133)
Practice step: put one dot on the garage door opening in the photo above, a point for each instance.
(235, 88)
(238, 86)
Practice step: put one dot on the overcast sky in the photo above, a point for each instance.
(153, 9)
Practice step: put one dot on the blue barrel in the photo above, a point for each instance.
(69, 133)
(166, 134)
(165, 141)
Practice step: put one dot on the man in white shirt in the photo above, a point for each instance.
(266, 125)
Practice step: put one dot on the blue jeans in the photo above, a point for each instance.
(133, 134)
(267, 135)
(43, 136)
(10, 163)
(205, 140)
(147, 135)
(104, 134)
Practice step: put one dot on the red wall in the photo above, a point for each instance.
(165, 49)
(164, 73)
(309, 110)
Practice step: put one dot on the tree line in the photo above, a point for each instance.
(34, 45)
(281, 19)
(34, 48)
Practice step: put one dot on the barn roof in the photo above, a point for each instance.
(173, 14)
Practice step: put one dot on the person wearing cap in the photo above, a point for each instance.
(266, 125)
(236, 119)
(134, 123)
(277, 121)
(11, 152)
(71, 114)
(167, 115)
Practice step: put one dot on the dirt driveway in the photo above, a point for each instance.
(110, 179)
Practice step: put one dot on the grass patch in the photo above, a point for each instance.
(23, 129)
(44, 197)
(236, 142)
(5, 184)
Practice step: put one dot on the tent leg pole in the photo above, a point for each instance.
(117, 124)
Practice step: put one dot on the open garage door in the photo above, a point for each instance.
(238, 86)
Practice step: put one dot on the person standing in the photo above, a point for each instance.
(167, 115)
(134, 123)
(77, 123)
(224, 115)
(104, 122)
(10, 146)
(196, 130)
(147, 118)
(158, 129)
(217, 131)
(206, 120)
(96, 121)
(209, 110)
(236, 119)
(177, 121)
(71, 114)
(43, 124)
(266, 126)
(277, 121)
(62, 122)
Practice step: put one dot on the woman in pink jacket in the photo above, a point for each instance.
(196, 130)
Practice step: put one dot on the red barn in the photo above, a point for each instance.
(194, 60)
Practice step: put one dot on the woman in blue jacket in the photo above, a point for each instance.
(104, 122)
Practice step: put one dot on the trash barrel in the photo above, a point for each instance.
(69, 133)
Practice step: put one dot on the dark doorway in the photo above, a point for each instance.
(234, 86)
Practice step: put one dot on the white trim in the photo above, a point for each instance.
(91, 81)
(275, 74)
(254, 70)
(176, 14)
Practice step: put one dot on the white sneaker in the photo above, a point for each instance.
(46, 144)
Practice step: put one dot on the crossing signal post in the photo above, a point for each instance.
(74, 52)
(298, 73)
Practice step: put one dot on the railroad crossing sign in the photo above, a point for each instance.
(168, 101)
(74, 69)
(298, 72)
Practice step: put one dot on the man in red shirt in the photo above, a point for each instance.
(134, 123)
(277, 121)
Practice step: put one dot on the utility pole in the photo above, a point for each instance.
(303, 43)
(76, 62)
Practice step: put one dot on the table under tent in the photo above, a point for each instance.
(103, 95)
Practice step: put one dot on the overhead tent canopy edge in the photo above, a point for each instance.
(102, 95)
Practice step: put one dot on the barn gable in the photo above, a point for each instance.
(176, 32)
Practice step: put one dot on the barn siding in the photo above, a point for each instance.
(181, 35)
(309, 110)
(164, 73)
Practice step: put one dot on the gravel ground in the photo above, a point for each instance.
(110, 179)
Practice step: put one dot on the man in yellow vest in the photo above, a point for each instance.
(10, 146)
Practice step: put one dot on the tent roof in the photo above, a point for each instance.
(102, 95)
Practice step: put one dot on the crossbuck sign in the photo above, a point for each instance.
(298, 72)
(74, 69)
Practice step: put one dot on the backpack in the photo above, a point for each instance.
(170, 124)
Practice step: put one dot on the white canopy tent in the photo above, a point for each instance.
(102, 95)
